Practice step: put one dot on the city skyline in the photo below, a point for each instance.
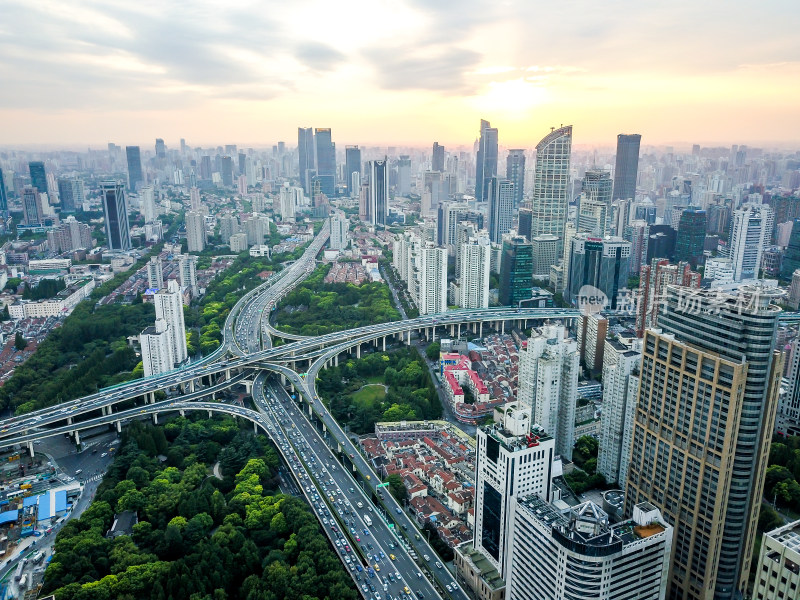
(134, 73)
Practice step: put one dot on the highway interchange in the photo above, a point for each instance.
(302, 436)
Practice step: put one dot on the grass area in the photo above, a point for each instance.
(375, 379)
(373, 392)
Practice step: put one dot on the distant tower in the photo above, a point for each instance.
(38, 176)
(135, 178)
(187, 270)
(3, 196)
(474, 273)
(161, 148)
(691, 236)
(305, 153)
(326, 161)
(515, 173)
(227, 171)
(627, 166)
(486, 166)
(437, 162)
(751, 228)
(115, 211)
(352, 164)
(378, 192)
(70, 193)
(550, 197)
(500, 193)
(32, 209)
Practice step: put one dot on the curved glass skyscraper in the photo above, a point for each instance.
(549, 204)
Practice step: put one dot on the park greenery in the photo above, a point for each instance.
(47, 288)
(222, 294)
(781, 485)
(317, 308)
(585, 476)
(198, 537)
(410, 396)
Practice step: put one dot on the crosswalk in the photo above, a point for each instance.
(91, 478)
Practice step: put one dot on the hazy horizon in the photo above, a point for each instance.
(399, 73)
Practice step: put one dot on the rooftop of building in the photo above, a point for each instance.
(788, 535)
(482, 566)
(514, 442)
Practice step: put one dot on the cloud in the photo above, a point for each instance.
(318, 57)
(437, 69)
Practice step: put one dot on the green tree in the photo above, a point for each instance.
(20, 342)
(397, 488)
(432, 351)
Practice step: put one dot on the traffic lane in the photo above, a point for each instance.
(444, 577)
(382, 535)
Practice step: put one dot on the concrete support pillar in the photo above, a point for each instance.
(30, 449)
(459, 330)
(255, 427)
(433, 334)
(335, 360)
(69, 420)
(384, 343)
(502, 327)
(155, 418)
(213, 396)
(452, 329)
(182, 412)
(358, 350)
(408, 339)
(310, 410)
(77, 437)
(152, 397)
(119, 426)
(209, 414)
(481, 329)
(324, 427)
(283, 379)
(227, 373)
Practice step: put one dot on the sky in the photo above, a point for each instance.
(400, 72)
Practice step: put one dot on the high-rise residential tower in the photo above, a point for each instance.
(627, 166)
(791, 258)
(195, 231)
(500, 193)
(515, 173)
(705, 412)
(751, 228)
(169, 307)
(187, 271)
(32, 210)
(115, 211)
(550, 196)
(475, 261)
(157, 356)
(155, 274)
(340, 232)
(690, 241)
(486, 166)
(326, 160)
(135, 177)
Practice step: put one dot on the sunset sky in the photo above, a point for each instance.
(399, 72)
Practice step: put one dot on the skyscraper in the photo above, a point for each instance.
(32, 209)
(161, 148)
(38, 176)
(751, 228)
(437, 161)
(691, 236)
(3, 196)
(516, 269)
(378, 191)
(597, 186)
(169, 307)
(135, 177)
(550, 198)
(326, 161)
(486, 166)
(627, 166)
(431, 279)
(403, 186)
(305, 154)
(195, 231)
(791, 258)
(115, 211)
(515, 173)
(704, 417)
(500, 193)
(600, 263)
(524, 227)
(352, 164)
(70, 193)
(582, 555)
(226, 170)
(340, 232)
(473, 278)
